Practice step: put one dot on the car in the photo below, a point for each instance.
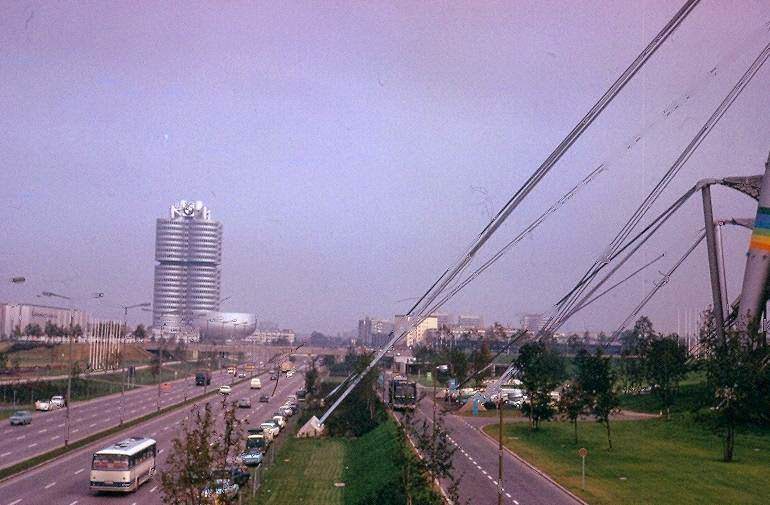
(264, 399)
(257, 440)
(241, 375)
(244, 403)
(286, 411)
(58, 401)
(301, 393)
(224, 486)
(21, 417)
(225, 390)
(43, 405)
(251, 457)
(271, 427)
(255, 383)
(279, 420)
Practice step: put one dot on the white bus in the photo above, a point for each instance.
(124, 466)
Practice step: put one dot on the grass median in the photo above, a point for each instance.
(652, 461)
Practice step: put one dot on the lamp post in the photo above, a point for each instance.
(121, 362)
(69, 373)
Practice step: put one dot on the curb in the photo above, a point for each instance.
(536, 469)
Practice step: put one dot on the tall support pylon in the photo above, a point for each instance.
(755, 277)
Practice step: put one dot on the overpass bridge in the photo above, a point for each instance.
(195, 350)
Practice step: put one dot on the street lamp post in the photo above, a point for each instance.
(69, 374)
(121, 363)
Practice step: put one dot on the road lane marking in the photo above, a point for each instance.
(161, 451)
(48, 486)
(153, 489)
(5, 454)
(80, 471)
(514, 501)
(54, 438)
(32, 445)
(43, 430)
(75, 431)
(21, 437)
(14, 502)
(92, 425)
(74, 503)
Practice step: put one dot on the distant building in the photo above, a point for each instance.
(273, 337)
(22, 314)
(470, 322)
(532, 322)
(443, 319)
(417, 334)
(188, 252)
(374, 332)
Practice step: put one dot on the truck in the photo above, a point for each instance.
(403, 394)
(202, 378)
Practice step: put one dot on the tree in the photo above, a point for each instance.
(197, 453)
(665, 365)
(311, 379)
(435, 447)
(140, 333)
(541, 370)
(480, 360)
(572, 404)
(33, 330)
(597, 379)
(738, 378)
(51, 329)
(458, 363)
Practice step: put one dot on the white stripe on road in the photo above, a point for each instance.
(14, 502)
(32, 445)
(48, 486)
(92, 425)
(5, 454)
(79, 471)
(74, 503)
(153, 489)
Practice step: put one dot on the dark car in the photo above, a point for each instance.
(251, 457)
(244, 403)
(301, 394)
(264, 399)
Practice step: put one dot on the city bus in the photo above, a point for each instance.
(124, 466)
(403, 394)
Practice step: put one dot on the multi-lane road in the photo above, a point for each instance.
(65, 480)
(476, 460)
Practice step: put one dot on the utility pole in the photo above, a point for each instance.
(69, 386)
(160, 366)
(500, 452)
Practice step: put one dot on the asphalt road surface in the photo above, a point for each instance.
(65, 480)
(476, 461)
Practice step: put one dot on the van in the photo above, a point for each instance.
(255, 383)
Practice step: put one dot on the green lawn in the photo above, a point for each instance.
(313, 466)
(306, 470)
(653, 462)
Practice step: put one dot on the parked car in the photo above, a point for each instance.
(301, 393)
(251, 457)
(224, 486)
(279, 420)
(58, 401)
(255, 383)
(225, 390)
(271, 427)
(264, 399)
(21, 417)
(286, 411)
(244, 403)
(241, 375)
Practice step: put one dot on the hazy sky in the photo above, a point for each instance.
(353, 150)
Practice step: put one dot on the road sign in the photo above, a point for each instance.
(583, 452)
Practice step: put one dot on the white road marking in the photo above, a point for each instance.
(48, 486)
(32, 445)
(161, 451)
(4, 454)
(61, 425)
(75, 431)
(74, 503)
(92, 425)
(508, 495)
(43, 430)
(14, 502)
(54, 438)
(21, 437)
(80, 471)
(514, 501)
(153, 489)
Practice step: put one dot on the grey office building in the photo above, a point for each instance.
(188, 251)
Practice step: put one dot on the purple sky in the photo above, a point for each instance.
(352, 151)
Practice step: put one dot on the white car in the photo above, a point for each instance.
(280, 421)
(43, 405)
(271, 427)
(58, 401)
(225, 390)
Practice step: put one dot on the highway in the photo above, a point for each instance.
(476, 460)
(65, 480)
(46, 432)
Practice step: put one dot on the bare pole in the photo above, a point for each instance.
(500, 452)
(69, 386)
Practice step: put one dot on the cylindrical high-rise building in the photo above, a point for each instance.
(188, 249)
